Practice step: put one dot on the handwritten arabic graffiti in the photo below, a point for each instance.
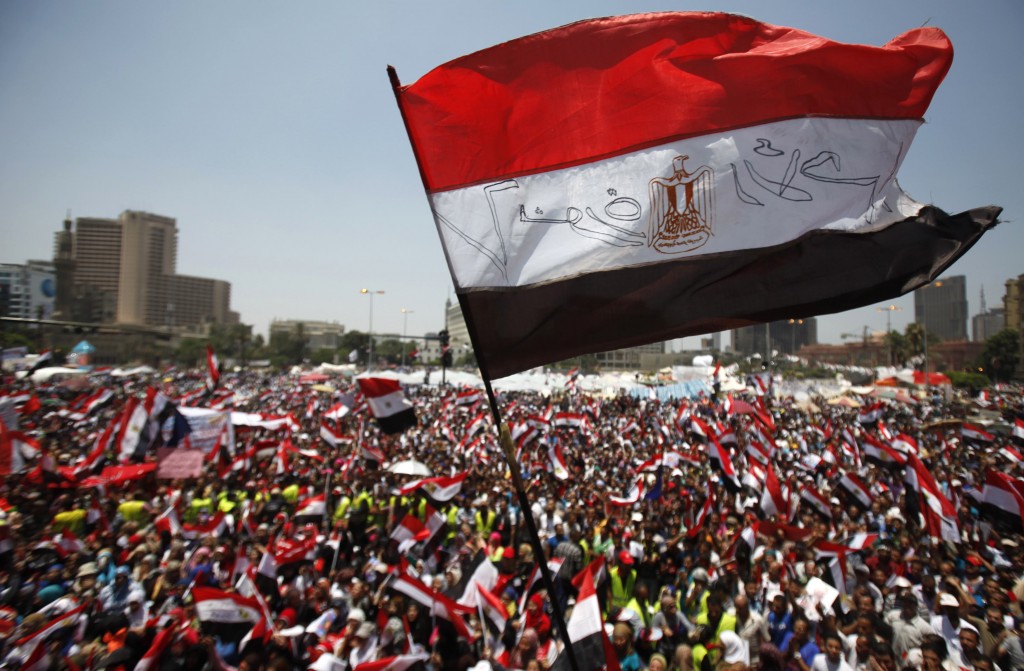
(813, 169)
(681, 213)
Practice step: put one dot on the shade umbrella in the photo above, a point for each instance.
(411, 467)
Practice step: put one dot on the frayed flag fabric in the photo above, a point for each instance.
(388, 404)
(624, 180)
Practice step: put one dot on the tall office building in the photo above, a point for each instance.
(149, 253)
(124, 270)
(941, 307)
(786, 336)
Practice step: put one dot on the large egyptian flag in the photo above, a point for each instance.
(632, 179)
(388, 404)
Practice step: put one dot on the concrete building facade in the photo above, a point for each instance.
(27, 290)
(124, 271)
(318, 334)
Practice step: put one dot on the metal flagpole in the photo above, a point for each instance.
(531, 525)
(506, 437)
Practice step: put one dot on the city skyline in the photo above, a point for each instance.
(288, 170)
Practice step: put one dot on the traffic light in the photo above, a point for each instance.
(446, 358)
(443, 338)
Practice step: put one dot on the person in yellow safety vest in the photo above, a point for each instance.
(710, 626)
(224, 502)
(485, 518)
(70, 520)
(344, 502)
(494, 547)
(134, 510)
(453, 521)
(642, 606)
(696, 602)
(200, 502)
(621, 579)
(291, 493)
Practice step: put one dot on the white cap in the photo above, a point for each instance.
(947, 599)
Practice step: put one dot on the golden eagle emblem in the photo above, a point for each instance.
(682, 208)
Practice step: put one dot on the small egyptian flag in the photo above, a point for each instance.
(388, 404)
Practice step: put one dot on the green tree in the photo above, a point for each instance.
(190, 352)
(288, 348)
(1001, 355)
(897, 347)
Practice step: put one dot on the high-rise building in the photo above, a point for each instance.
(124, 270)
(149, 252)
(941, 308)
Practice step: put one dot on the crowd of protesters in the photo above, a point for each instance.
(720, 532)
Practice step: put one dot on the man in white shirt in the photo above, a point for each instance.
(908, 627)
(947, 624)
(750, 626)
(832, 658)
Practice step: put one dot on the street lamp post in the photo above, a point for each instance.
(888, 330)
(405, 328)
(369, 354)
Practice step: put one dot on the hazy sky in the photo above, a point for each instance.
(270, 132)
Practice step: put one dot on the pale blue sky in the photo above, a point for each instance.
(269, 131)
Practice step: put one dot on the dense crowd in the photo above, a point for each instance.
(735, 531)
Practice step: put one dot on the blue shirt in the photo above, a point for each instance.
(779, 627)
(808, 650)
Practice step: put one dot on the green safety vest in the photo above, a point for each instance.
(484, 526)
(621, 594)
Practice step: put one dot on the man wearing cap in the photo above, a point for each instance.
(363, 645)
(948, 623)
(621, 579)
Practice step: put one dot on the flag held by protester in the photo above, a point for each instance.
(632, 179)
(388, 404)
